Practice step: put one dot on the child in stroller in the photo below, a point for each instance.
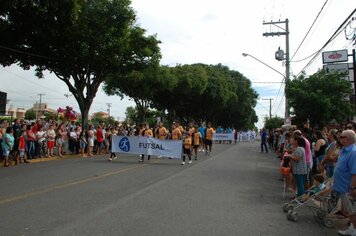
(317, 199)
(317, 187)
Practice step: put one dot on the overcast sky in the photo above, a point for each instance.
(211, 32)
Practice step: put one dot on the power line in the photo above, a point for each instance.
(279, 90)
(266, 82)
(29, 81)
(306, 57)
(28, 53)
(262, 106)
(336, 33)
(279, 105)
(301, 43)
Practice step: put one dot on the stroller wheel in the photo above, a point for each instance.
(292, 215)
(290, 207)
(331, 205)
(285, 207)
(329, 223)
(320, 214)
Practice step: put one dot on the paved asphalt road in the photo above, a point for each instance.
(235, 191)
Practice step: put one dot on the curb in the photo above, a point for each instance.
(44, 159)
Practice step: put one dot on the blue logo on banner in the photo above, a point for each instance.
(124, 144)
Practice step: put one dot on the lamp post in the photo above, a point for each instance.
(286, 112)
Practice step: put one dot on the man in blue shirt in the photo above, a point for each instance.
(202, 130)
(345, 174)
(264, 140)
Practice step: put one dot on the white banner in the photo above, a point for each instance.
(147, 146)
(223, 136)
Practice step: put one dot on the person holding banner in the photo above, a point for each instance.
(209, 139)
(181, 129)
(187, 143)
(112, 132)
(147, 132)
(176, 132)
(161, 131)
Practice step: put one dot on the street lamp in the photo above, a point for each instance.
(286, 112)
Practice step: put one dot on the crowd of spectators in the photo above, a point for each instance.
(308, 154)
(24, 141)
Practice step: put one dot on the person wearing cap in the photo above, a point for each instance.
(345, 174)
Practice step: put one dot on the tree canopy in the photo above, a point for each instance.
(273, 123)
(81, 41)
(196, 92)
(320, 98)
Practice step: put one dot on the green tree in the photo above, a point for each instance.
(131, 115)
(140, 86)
(241, 108)
(30, 115)
(207, 92)
(320, 98)
(50, 116)
(80, 41)
(231, 100)
(98, 118)
(177, 89)
(273, 123)
(215, 97)
(151, 116)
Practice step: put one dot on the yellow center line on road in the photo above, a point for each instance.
(61, 186)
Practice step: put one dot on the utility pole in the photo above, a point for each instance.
(286, 33)
(36, 110)
(109, 106)
(41, 94)
(270, 106)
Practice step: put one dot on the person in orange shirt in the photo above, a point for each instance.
(176, 132)
(178, 125)
(162, 131)
(209, 139)
(147, 132)
(191, 129)
(197, 140)
(187, 143)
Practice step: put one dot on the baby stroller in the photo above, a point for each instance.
(320, 203)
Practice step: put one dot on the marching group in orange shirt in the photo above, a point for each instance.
(191, 137)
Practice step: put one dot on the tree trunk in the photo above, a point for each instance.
(141, 106)
(85, 114)
(84, 106)
(171, 116)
